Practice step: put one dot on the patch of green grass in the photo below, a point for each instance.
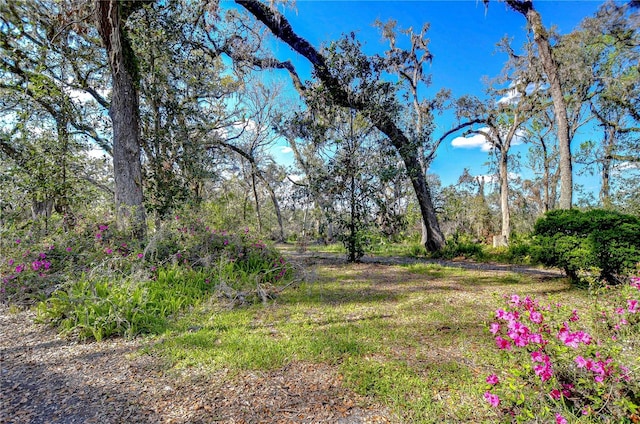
(412, 338)
(433, 270)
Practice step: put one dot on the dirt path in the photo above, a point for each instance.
(47, 379)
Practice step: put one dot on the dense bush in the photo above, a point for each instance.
(604, 241)
(461, 245)
(566, 364)
(95, 282)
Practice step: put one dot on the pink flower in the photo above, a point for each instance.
(493, 379)
(536, 338)
(103, 227)
(493, 328)
(68, 249)
(515, 299)
(98, 236)
(11, 262)
(108, 251)
(633, 306)
(535, 317)
(574, 316)
(560, 419)
(581, 362)
(494, 400)
(555, 394)
(19, 269)
(140, 255)
(42, 255)
(543, 371)
(502, 343)
(538, 356)
(18, 241)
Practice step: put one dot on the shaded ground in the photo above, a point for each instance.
(47, 379)
(312, 258)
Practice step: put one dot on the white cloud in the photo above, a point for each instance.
(286, 150)
(519, 137)
(473, 141)
(493, 179)
(512, 97)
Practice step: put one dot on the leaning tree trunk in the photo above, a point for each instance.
(124, 114)
(276, 206)
(281, 28)
(550, 66)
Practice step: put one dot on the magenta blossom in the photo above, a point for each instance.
(535, 317)
(494, 400)
(555, 394)
(560, 419)
(633, 306)
(493, 328)
(493, 379)
(502, 343)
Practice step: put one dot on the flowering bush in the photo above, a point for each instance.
(34, 265)
(26, 273)
(561, 364)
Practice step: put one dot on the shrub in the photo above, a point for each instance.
(461, 246)
(579, 242)
(99, 309)
(99, 283)
(565, 364)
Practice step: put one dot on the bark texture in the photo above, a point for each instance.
(550, 67)
(124, 114)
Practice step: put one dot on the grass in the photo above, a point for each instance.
(412, 337)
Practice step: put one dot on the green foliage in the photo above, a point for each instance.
(601, 240)
(461, 245)
(98, 309)
(98, 283)
(563, 362)
(517, 252)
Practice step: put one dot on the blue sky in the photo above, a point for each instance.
(463, 37)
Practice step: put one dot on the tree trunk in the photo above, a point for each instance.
(504, 196)
(276, 205)
(607, 161)
(550, 66)
(124, 114)
(255, 197)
